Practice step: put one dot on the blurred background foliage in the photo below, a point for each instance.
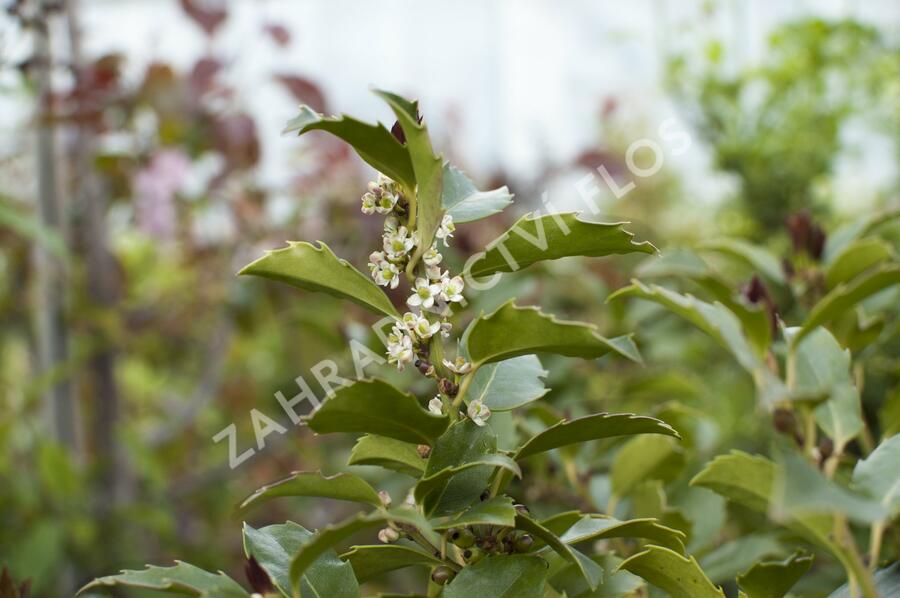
(130, 289)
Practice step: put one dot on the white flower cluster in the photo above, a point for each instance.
(432, 293)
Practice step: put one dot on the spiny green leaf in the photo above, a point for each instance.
(512, 331)
(878, 475)
(685, 264)
(756, 257)
(373, 143)
(801, 489)
(887, 583)
(326, 538)
(719, 323)
(751, 481)
(506, 576)
(591, 571)
(428, 169)
(498, 511)
(312, 268)
(376, 407)
(819, 366)
(645, 458)
(342, 486)
(595, 527)
(535, 238)
(432, 489)
(464, 442)
(465, 203)
(387, 453)
(593, 427)
(183, 579)
(274, 546)
(839, 239)
(678, 575)
(508, 384)
(372, 561)
(773, 579)
(616, 583)
(855, 259)
(724, 562)
(847, 295)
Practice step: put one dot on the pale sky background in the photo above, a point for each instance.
(524, 79)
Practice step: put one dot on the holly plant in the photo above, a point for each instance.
(472, 519)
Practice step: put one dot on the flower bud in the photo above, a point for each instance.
(442, 575)
(388, 535)
(523, 543)
(462, 537)
(385, 497)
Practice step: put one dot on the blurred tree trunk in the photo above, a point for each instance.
(53, 336)
(89, 193)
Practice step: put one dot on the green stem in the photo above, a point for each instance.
(463, 389)
(875, 545)
(852, 561)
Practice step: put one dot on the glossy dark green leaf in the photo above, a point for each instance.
(595, 527)
(305, 266)
(616, 583)
(451, 485)
(774, 579)
(376, 407)
(388, 453)
(427, 167)
(512, 331)
(274, 546)
(838, 240)
(501, 576)
(509, 384)
(591, 571)
(847, 295)
(678, 575)
(341, 486)
(372, 561)
(497, 511)
(328, 537)
(183, 579)
(465, 203)
(373, 143)
(440, 495)
(535, 238)
(593, 427)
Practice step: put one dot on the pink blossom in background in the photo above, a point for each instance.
(154, 188)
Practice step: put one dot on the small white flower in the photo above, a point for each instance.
(423, 294)
(400, 347)
(391, 224)
(398, 243)
(375, 259)
(386, 274)
(432, 257)
(436, 406)
(434, 273)
(446, 327)
(452, 288)
(369, 202)
(388, 535)
(459, 366)
(445, 231)
(385, 497)
(425, 329)
(410, 500)
(478, 413)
